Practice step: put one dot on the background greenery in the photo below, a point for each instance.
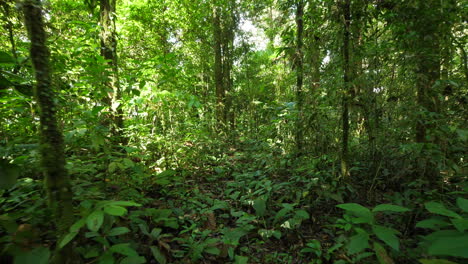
(227, 131)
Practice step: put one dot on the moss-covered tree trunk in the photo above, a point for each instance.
(57, 181)
(426, 49)
(218, 69)
(347, 84)
(299, 76)
(109, 52)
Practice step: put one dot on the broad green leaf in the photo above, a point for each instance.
(107, 258)
(8, 223)
(133, 260)
(123, 249)
(277, 234)
(39, 255)
(156, 232)
(213, 251)
(382, 255)
(77, 225)
(160, 257)
(451, 233)
(281, 213)
(302, 214)
(387, 235)
(232, 236)
(117, 231)
(364, 214)
(432, 223)
(358, 243)
(115, 210)
(4, 83)
(94, 220)
(460, 224)
(450, 246)
(391, 208)
(241, 259)
(436, 261)
(128, 163)
(118, 203)
(8, 174)
(67, 238)
(462, 204)
(260, 206)
(438, 208)
(6, 58)
(354, 207)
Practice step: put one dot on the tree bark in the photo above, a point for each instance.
(57, 181)
(427, 54)
(109, 52)
(299, 76)
(346, 90)
(218, 69)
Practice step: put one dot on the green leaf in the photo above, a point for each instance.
(450, 246)
(365, 215)
(462, 204)
(94, 220)
(117, 231)
(260, 206)
(436, 261)
(155, 232)
(432, 223)
(133, 260)
(67, 238)
(302, 214)
(115, 210)
(8, 174)
(123, 249)
(387, 235)
(281, 213)
(160, 258)
(438, 208)
(39, 255)
(213, 251)
(382, 255)
(241, 260)
(118, 203)
(277, 234)
(107, 258)
(358, 243)
(128, 163)
(78, 225)
(391, 208)
(354, 207)
(6, 58)
(460, 224)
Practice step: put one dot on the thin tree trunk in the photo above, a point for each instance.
(427, 73)
(57, 181)
(218, 69)
(299, 77)
(346, 79)
(109, 52)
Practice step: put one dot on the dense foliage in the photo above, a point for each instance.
(233, 131)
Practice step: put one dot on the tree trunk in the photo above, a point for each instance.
(57, 181)
(299, 77)
(346, 90)
(427, 53)
(109, 52)
(218, 70)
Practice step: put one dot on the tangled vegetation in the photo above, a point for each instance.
(233, 131)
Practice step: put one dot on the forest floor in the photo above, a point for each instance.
(251, 207)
